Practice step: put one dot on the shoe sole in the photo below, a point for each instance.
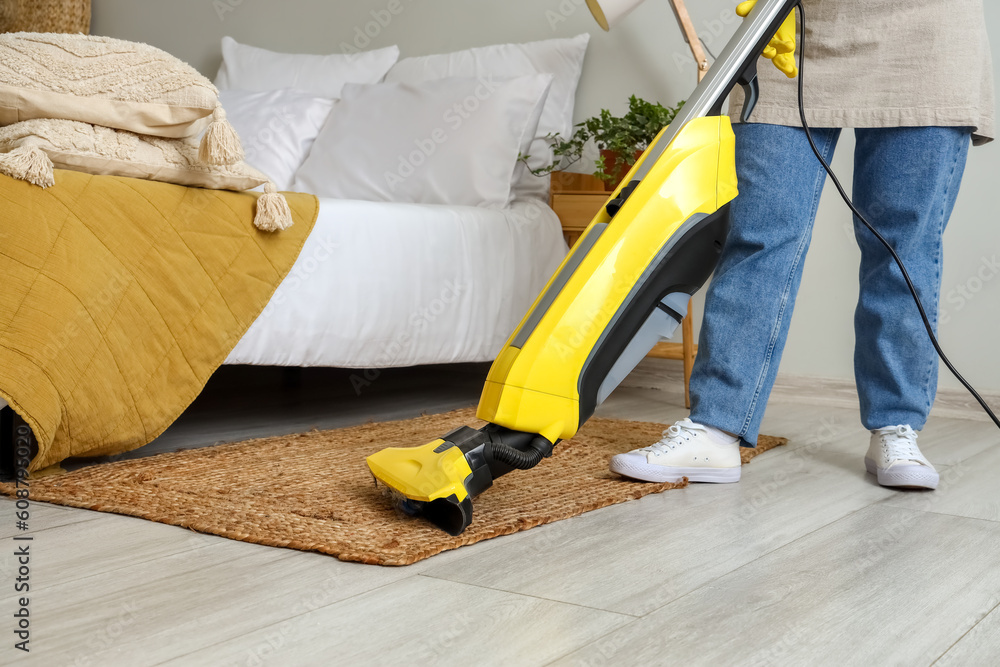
(910, 477)
(655, 473)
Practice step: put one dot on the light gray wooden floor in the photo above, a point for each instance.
(805, 562)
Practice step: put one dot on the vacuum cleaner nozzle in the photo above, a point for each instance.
(438, 480)
(428, 480)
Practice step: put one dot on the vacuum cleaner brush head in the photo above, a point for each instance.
(427, 481)
(439, 480)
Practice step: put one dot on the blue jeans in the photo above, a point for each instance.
(905, 182)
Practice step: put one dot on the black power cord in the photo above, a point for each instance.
(864, 221)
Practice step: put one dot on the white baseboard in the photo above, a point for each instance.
(666, 375)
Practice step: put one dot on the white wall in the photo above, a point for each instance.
(645, 56)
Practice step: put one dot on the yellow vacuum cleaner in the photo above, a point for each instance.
(625, 285)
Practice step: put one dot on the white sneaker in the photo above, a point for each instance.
(686, 450)
(894, 458)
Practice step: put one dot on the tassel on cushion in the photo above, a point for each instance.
(221, 144)
(28, 163)
(273, 213)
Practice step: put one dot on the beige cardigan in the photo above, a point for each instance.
(886, 63)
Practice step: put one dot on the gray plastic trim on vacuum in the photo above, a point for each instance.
(672, 301)
(660, 324)
(677, 302)
(579, 252)
(688, 224)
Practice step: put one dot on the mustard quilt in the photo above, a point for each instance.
(120, 297)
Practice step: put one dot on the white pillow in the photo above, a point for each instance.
(251, 68)
(452, 141)
(277, 128)
(563, 58)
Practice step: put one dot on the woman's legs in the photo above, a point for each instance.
(905, 182)
(750, 298)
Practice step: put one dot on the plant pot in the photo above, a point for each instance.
(616, 167)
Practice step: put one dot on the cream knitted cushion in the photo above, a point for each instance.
(29, 151)
(114, 83)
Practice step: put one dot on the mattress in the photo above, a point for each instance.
(382, 285)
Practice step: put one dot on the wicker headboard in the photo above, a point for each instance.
(45, 16)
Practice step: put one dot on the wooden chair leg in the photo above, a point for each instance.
(687, 343)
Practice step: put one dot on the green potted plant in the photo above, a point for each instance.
(620, 139)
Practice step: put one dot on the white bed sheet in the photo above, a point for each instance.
(381, 285)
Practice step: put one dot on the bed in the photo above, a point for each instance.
(380, 285)
(432, 239)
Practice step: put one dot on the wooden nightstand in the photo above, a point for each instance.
(576, 198)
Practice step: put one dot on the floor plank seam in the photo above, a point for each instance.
(971, 628)
(955, 516)
(571, 651)
(164, 557)
(129, 564)
(76, 511)
(708, 584)
(279, 622)
(529, 595)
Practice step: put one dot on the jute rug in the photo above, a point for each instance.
(313, 491)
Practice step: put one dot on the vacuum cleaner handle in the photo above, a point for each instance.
(736, 65)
